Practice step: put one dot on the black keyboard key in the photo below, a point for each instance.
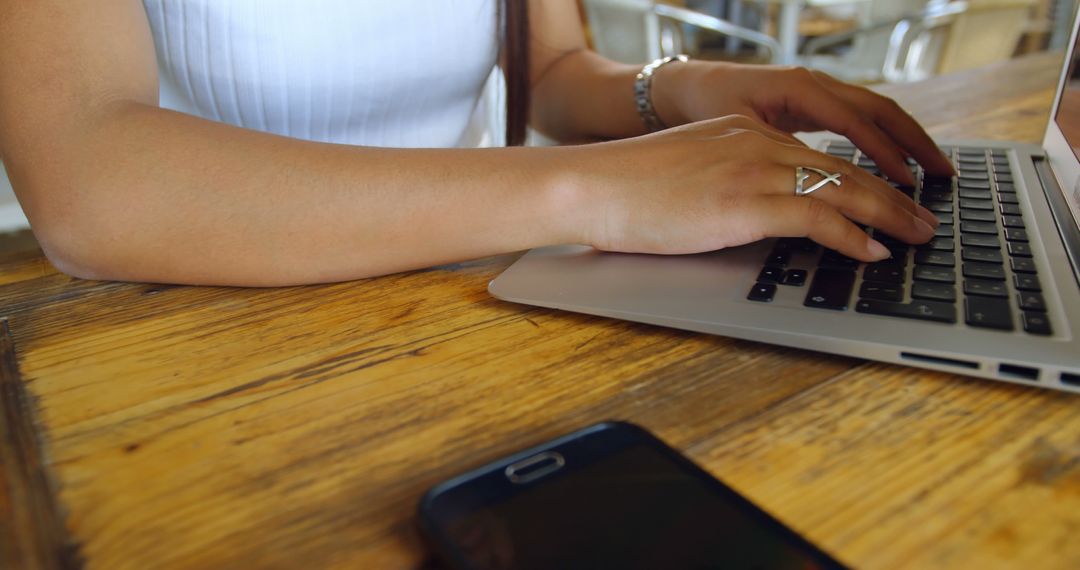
(1036, 323)
(833, 258)
(937, 183)
(944, 230)
(979, 228)
(980, 240)
(943, 218)
(805, 245)
(885, 272)
(795, 277)
(936, 274)
(939, 244)
(943, 207)
(783, 244)
(1013, 221)
(908, 191)
(967, 203)
(770, 275)
(1023, 265)
(1019, 249)
(779, 258)
(762, 292)
(897, 255)
(970, 176)
(933, 292)
(983, 254)
(992, 271)
(922, 310)
(1025, 282)
(1008, 198)
(927, 196)
(1031, 301)
(942, 258)
(988, 312)
(1004, 178)
(1010, 209)
(881, 291)
(986, 288)
(968, 193)
(977, 216)
(1006, 187)
(830, 289)
(1016, 234)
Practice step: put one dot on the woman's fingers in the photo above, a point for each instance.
(837, 115)
(779, 216)
(859, 196)
(894, 121)
(866, 197)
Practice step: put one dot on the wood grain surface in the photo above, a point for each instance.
(187, 427)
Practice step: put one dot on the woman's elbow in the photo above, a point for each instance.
(70, 233)
(70, 250)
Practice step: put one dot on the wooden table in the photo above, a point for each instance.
(147, 426)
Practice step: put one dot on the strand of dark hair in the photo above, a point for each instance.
(516, 44)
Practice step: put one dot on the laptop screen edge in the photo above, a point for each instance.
(1063, 160)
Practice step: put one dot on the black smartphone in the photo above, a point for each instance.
(611, 495)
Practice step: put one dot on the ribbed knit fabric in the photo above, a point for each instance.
(394, 73)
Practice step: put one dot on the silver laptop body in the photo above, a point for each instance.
(709, 292)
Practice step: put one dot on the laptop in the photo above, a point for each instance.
(996, 293)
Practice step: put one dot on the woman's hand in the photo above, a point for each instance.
(794, 99)
(727, 182)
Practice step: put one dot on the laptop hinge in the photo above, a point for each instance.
(1063, 218)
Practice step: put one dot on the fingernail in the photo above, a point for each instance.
(878, 251)
(928, 216)
(924, 227)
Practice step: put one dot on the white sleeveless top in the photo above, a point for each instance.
(392, 73)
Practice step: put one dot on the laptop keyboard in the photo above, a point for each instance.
(977, 269)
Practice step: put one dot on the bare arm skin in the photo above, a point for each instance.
(117, 188)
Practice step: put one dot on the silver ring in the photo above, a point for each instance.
(802, 175)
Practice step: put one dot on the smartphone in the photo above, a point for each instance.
(611, 495)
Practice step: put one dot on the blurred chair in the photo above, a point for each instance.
(864, 49)
(944, 37)
(954, 36)
(637, 31)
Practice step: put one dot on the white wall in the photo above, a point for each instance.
(11, 215)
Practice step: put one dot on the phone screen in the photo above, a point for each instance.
(630, 505)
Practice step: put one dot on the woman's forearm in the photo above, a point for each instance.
(585, 97)
(153, 195)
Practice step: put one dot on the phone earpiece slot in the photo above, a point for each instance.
(535, 467)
